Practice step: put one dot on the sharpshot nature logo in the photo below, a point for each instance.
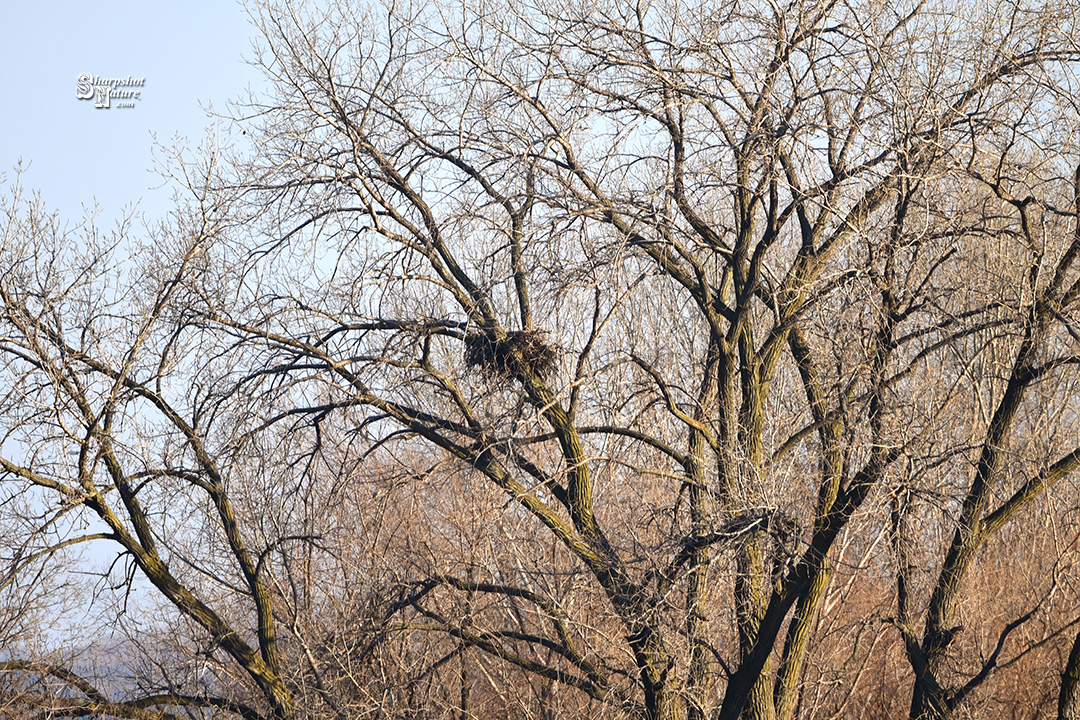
(105, 90)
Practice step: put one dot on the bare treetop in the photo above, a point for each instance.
(569, 359)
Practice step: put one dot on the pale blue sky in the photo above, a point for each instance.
(191, 55)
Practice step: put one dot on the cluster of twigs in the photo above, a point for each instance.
(512, 356)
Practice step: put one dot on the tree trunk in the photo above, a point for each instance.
(1069, 699)
(751, 598)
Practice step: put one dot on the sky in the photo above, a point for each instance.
(191, 56)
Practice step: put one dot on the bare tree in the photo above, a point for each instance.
(651, 319)
(105, 449)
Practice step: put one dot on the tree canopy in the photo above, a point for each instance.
(562, 359)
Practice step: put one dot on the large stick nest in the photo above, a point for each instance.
(509, 358)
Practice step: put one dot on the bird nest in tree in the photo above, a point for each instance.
(510, 357)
